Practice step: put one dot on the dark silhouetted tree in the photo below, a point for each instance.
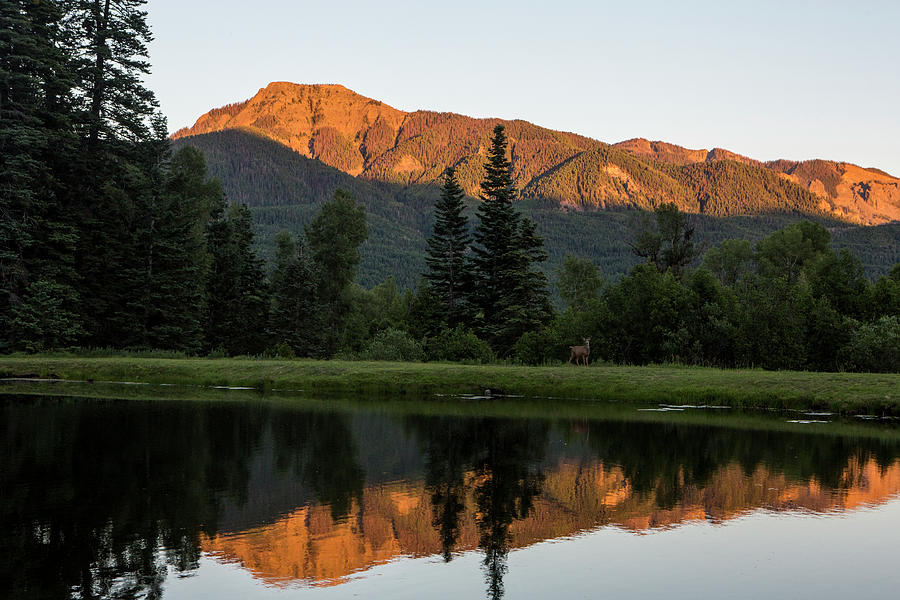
(334, 237)
(448, 270)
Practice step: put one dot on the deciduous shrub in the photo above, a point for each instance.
(392, 344)
(875, 346)
(458, 344)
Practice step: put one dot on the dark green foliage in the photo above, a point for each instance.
(579, 282)
(109, 61)
(382, 307)
(509, 296)
(296, 317)
(237, 297)
(176, 256)
(730, 260)
(41, 320)
(448, 266)
(458, 345)
(796, 303)
(392, 344)
(645, 312)
(886, 297)
(772, 324)
(334, 237)
(838, 277)
(875, 346)
(106, 230)
(786, 252)
(666, 241)
(37, 237)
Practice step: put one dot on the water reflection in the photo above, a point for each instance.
(99, 499)
(503, 459)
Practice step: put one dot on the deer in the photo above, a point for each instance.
(581, 352)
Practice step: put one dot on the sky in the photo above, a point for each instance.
(785, 79)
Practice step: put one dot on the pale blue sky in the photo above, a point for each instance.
(792, 79)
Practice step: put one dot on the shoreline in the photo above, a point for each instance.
(842, 393)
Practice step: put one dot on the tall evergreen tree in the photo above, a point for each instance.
(116, 175)
(237, 300)
(296, 317)
(448, 266)
(109, 55)
(176, 258)
(334, 238)
(37, 238)
(509, 297)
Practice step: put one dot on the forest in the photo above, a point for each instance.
(110, 238)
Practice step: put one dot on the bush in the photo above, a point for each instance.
(458, 345)
(279, 350)
(534, 347)
(392, 344)
(875, 347)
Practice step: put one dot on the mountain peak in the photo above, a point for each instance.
(365, 137)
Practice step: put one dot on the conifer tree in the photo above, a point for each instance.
(116, 175)
(237, 299)
(448, 266)
(334, 238)
(296, 318)
(37, 238)
(175, 254)
(509, 297)
(109, 56)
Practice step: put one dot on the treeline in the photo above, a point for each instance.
(789, 302)
(284, 191)
(107, 238)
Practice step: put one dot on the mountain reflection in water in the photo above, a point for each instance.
(100, 498)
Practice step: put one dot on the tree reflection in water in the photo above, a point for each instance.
(99, 499)
(90, 492)
(505, 459)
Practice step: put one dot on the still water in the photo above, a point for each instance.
(272, 499)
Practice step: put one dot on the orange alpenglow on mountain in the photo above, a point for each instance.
(307, 546)
(367, 138)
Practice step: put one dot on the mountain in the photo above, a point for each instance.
(848, 192)
(368, 139)
(286, 150)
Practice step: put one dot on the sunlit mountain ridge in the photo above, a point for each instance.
(366, 138)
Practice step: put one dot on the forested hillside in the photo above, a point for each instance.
(285, 189)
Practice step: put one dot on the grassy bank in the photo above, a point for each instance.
(839, 392)
(796, 421)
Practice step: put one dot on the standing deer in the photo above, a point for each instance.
(581, 352)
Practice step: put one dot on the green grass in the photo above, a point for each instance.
(839, 392)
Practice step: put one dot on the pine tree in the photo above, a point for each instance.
(237, 299)
(117, 173)
(37, 239)
(509, 297)
(334, 238)
(109, 56)
(448, 275)
(296, 318)
(175, 254)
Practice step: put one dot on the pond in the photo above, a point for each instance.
(448, 498)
